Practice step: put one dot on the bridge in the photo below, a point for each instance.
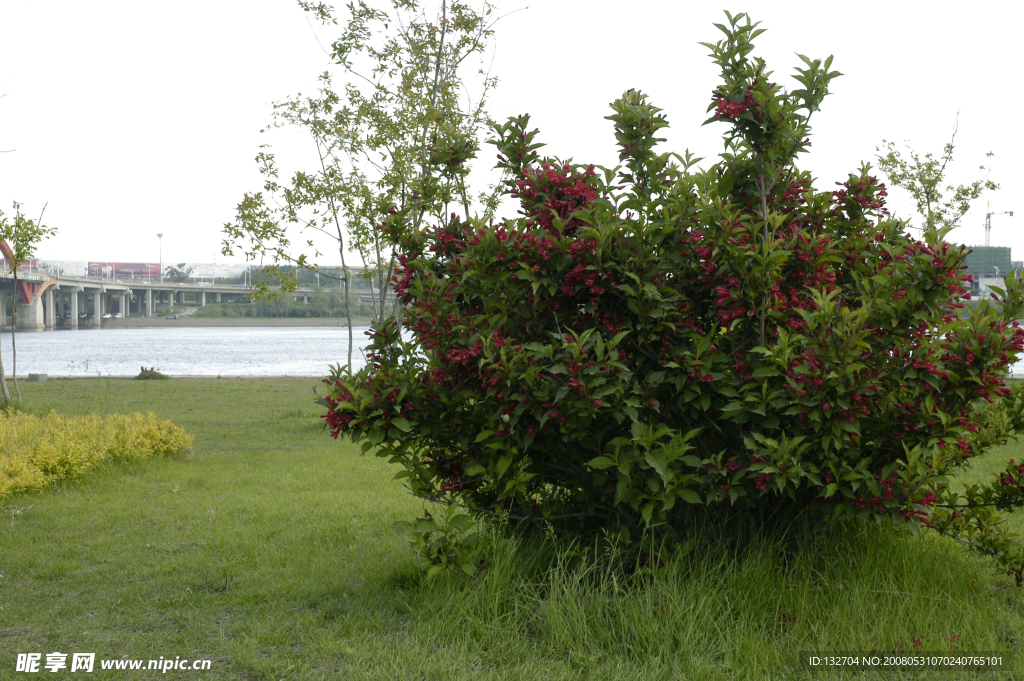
(45, 302)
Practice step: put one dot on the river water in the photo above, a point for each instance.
(216, 351)
(189, 351)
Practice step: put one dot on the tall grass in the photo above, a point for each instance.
(746, 614)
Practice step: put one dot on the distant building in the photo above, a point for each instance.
(989, 261)
(989, 265)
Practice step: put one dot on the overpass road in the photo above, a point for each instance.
(44, 302)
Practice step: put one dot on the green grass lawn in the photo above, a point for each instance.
(268, 549)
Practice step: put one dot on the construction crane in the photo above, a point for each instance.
(988, 221)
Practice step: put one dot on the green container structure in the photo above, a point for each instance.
(989, 261)
(984, 261)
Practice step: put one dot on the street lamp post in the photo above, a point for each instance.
(161, 238)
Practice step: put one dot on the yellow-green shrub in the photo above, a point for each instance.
(36, 451)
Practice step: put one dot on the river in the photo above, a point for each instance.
(216, 351)
(194, 351)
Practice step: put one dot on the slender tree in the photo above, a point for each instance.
(393, 144)
(3, 378)
(938, 203)
(19, 239)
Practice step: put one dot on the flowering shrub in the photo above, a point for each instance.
(650, 340)
(38, 451)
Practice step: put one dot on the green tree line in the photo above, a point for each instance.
(322, 305)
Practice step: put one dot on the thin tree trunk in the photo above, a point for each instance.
(341, 250)
(764, 188)
(417, 212)
(764, 216)
(386, 283)
(3, 385)
(3, 378)
(380, 278)
(348, 311)
(348, 306)
(369, 278)
(465, 199)
(383, 280)
(14, 345)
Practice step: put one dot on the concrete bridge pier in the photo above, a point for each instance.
(73, 299)
(97, 308)
(49, 313)
(149, 302)
(217, 298)
(201, 299)
(30, 315)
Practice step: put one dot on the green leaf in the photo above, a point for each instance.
(503, 464)
(648, 512)
(483, 435)
(459, 521)
(601, 462)
(402, 424)
(626, 288)
(656, 460)
(688, 495)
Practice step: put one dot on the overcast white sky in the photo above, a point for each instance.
(136, 118)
